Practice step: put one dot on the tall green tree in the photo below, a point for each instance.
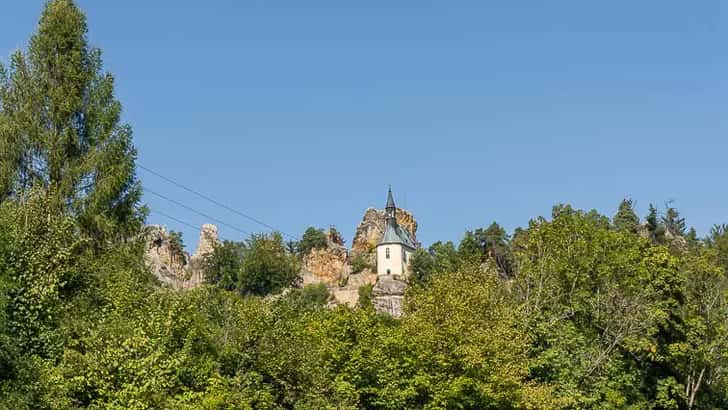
(61, 130)
(421, 266)
(674, 223)
(470, 248)
(718, 240)
(495, 243)
(266, 266)
(222, 267)
(655, 228)
(598, 302)
(626, 218)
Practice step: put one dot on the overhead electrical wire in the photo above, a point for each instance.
(179, 221)
(214, 201)
(187, 224)
(204, 215)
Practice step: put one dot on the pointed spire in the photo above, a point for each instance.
(390, 199)
(390, 210)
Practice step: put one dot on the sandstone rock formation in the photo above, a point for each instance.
(388, 296)
(164, 262)
(177, 268)
(371, 228)
(329, 265)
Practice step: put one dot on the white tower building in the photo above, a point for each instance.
(396, 247)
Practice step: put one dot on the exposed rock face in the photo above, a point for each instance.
(371, 228)
(165, 263)
(388, 295)
(205, 246)
(176, 268)
(207, 242)
(331, 265)
(328, 265)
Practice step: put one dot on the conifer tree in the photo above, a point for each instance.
(469, 248)
(60, 128)
(655, 229)
(626, 219)
(673, 222)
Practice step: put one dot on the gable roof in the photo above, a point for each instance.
(393, 233)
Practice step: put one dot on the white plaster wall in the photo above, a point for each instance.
(406, 260)
(394, 263)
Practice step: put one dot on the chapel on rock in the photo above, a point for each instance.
(396, 247)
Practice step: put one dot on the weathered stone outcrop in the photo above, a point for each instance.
(175, 267)
(332, 265)
(205, 246)
(167, 264)
(329, 265)
(388, 296)
(371, 228)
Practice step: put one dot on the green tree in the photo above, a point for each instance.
(626, 219)
(495, 244)
(467, 366)
(177, 247)
(309, 297)
(699, 357)
(598, 302)
(655, 228)
(421, 266)
(673, 222)
(365, 296)
(266, 266)
(312, 239)
(718, 240)
(359, 263)
(222, 267)
(60, 128)
(470, 248)
(444, 257)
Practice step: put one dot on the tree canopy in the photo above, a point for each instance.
(574, 311)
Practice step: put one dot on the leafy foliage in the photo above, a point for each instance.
(576, 314)
(60, 128)
(312, 239)
(266, 266)
(359, 263)
(626, 218)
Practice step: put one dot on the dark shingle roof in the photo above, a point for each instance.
(395, 234)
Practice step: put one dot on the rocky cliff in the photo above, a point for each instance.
(330, 265)
(175, 267)
(388, 295)
(371, 228)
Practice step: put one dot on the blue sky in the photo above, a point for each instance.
(301, 113)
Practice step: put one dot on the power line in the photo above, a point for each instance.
(166, 198)
(189, 225)
(218, 203)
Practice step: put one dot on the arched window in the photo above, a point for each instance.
(386, 253)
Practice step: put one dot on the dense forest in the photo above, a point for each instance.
(575, 311)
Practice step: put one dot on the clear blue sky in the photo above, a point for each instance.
(300, 113)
